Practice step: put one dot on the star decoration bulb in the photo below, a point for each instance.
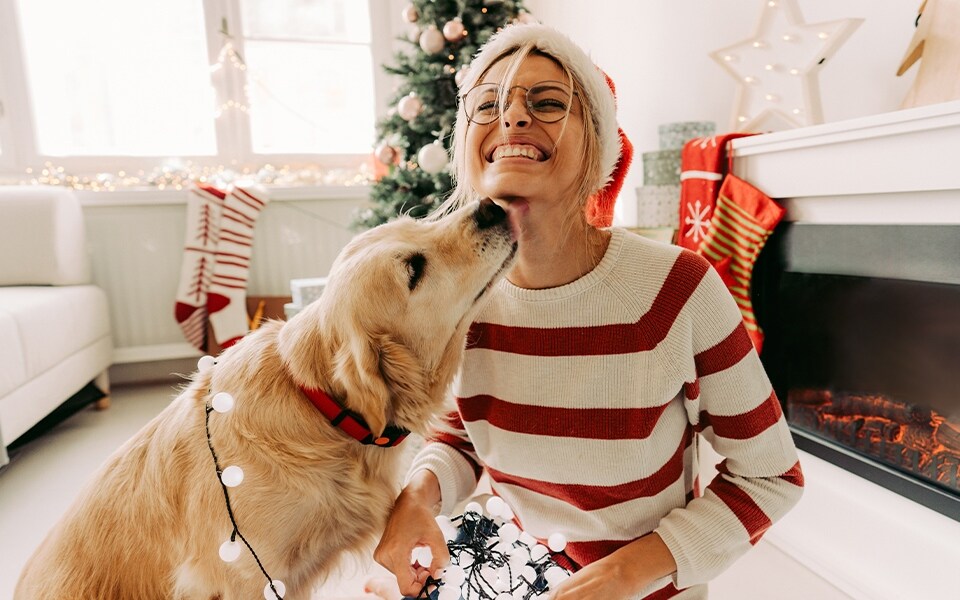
(777, 67)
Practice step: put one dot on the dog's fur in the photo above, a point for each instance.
(385, 340)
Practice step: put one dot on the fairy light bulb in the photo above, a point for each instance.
(232, 476)
(276, 584)
(741, 119)
(449, 593)
(729, 58)
(509, 533)
(473, 507)
(494, 505)
(538, 552)
(222, 402)
(758, 44)
(794, 71)
(555, 576)
(205, 363)
(557, 542)
(454, 576)
(230, 551)
(772, 98)
(823, 35)
(787, 37)
(750, 79)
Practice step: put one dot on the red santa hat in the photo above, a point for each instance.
(616, 151)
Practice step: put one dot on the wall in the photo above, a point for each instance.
(657, 53)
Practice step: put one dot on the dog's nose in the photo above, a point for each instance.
(489, 214)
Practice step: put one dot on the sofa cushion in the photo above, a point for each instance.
(42, 237)
(53, 323)
(13, 371)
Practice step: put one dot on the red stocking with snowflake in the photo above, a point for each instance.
(703, 164)
(204, 205)
(743, 219)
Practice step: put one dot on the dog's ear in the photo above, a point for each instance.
(381, 377)
(357, 369)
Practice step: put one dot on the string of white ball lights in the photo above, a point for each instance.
(231, 477)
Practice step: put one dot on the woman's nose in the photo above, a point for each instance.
(516, 114)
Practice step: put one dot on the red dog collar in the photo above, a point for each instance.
(353, 424)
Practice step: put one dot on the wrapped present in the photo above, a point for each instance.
(661, 167)
(674, 135)
(658, 206)
(305, 291)
(490, 558)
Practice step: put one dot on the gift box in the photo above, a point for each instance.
(674, 135)
(661, 167)
(305, 291)
(658, 206)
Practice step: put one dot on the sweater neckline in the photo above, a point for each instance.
(577, 286)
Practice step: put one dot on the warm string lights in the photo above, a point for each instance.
(492, 558)
(777, 67)
(231, 477)
(179, 175)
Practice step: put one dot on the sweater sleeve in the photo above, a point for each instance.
(450, 455)
(730, 401)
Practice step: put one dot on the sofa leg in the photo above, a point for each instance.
(103, 384)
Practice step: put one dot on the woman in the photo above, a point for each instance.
(594, 368)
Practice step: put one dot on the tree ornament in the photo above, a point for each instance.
(453, 30)
(409, 106)
(431, 40)
(432, 158)
(386, 153)
(410, 14)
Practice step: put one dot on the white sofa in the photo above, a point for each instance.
(54, 324)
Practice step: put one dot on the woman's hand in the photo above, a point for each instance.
(412, 523)
(621, 575)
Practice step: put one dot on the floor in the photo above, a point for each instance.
(44, 476)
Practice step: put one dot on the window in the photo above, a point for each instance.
(113, 84)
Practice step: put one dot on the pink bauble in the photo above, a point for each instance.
(431, 40)
(410, 14)
(453, 30)
(385, 153)
(409, 107)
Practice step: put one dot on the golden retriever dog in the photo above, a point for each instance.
(384, 340)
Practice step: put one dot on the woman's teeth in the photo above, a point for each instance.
(512, 151)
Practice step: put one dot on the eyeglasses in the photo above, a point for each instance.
(547, 101)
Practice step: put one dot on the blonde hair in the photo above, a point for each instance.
(590, 177)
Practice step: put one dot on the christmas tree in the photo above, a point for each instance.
(414, 138)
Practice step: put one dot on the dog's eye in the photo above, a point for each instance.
(416, 264)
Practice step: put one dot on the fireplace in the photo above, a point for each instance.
(863, 348)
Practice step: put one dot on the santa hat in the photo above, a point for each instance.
(616, 151)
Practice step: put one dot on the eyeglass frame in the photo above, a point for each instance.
(509, 92)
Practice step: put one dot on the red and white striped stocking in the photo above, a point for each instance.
(742, 221)
(204, 206)
(226, 297)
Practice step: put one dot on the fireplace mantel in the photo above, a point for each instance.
(894, 168)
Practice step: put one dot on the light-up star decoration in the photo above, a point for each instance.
(777, 68)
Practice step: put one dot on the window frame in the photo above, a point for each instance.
(19, 152)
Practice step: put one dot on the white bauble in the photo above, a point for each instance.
(453, 30)
(432, 40)
(409, 106)
(432, 158)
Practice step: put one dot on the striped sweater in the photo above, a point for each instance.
(584, 403)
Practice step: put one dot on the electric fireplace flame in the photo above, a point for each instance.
(911, 438)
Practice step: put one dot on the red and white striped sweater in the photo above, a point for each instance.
(584, 404)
